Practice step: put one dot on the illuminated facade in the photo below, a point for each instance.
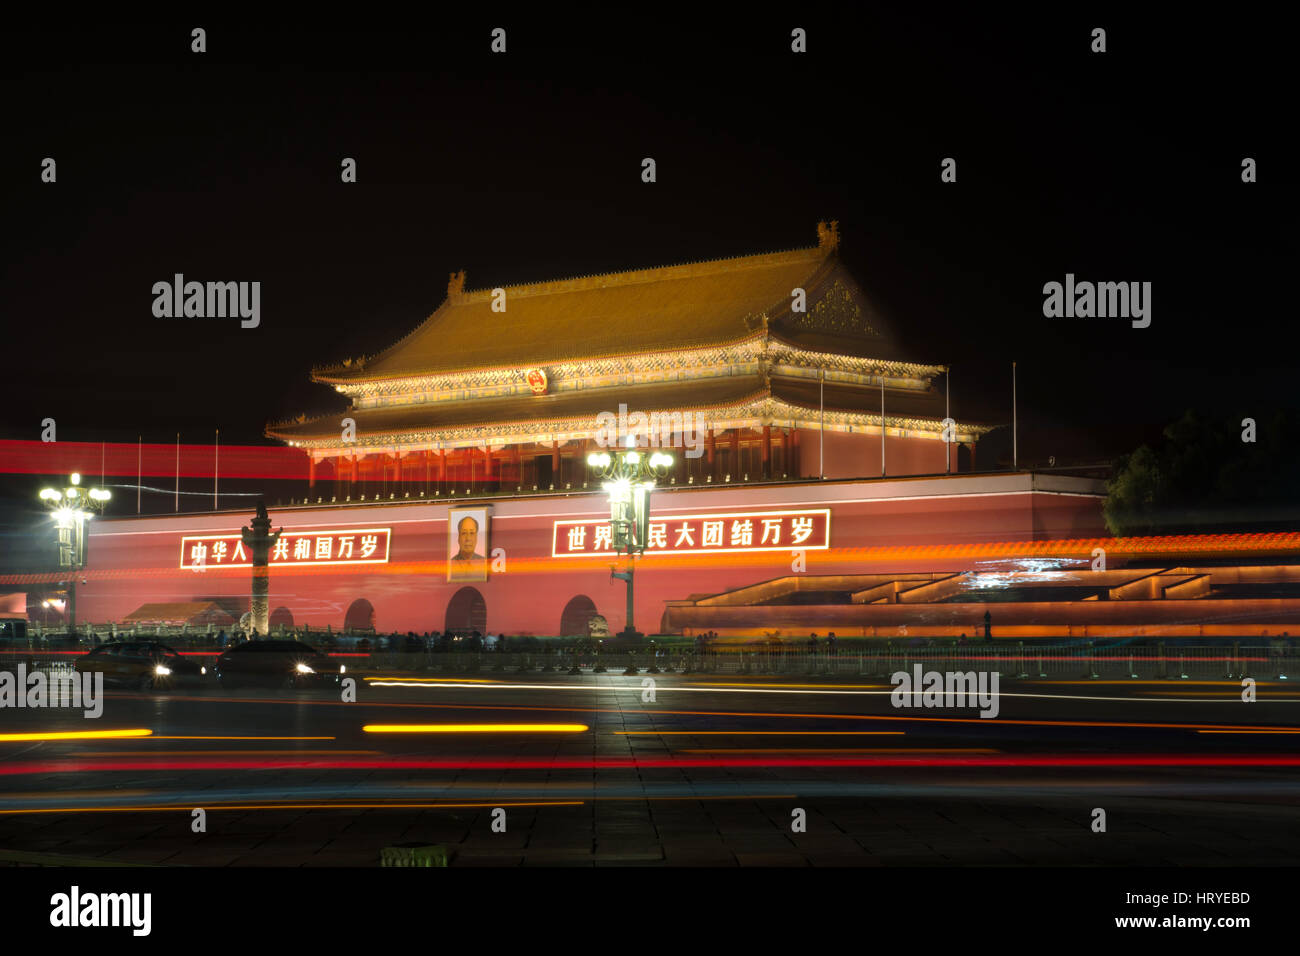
(454, 493)
(755, 368)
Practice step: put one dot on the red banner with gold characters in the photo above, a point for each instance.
(703, 534)
(348, 546)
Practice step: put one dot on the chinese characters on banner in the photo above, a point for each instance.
(351, 546)
(703, 534)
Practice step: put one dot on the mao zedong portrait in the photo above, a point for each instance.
(467, 562)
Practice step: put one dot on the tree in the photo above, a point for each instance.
(1204, 478)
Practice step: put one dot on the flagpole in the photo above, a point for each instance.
(821, 435)
(178, 471)
(1015, 457)
(947, 413)
(139, 469)
(882, 426)
(216, 460)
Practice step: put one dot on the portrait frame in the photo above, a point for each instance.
(473, 567)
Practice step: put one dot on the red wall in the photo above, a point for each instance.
(133, 561)
(852, 455)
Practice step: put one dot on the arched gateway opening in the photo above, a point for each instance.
(360, 616)
(573, 622)
(466, 613)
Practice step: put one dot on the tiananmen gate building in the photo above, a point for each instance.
(819, 481)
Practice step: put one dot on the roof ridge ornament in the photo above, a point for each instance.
(828, 237)
(456, 283)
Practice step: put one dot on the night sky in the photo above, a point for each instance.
(1122, 166)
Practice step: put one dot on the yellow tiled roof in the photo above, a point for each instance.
(626, 313)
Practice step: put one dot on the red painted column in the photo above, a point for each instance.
(793, 465)
(311, 474)
(735, 453)
(487, 463)
(767, 451)
(710, 446)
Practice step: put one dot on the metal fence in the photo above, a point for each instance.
(1058, 662)
(878, 660)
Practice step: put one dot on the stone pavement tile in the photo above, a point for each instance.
(987, 856)
(771, 859)
(260, 859)
(141, 854)
(640, 849)
(815, 842)
(909, 859)
(840, 861)
(52, 844)
(472, 859)
(293, 849)
(688, 838)
(342, 860)
(701, 859)
(559, 840)
(512, 839)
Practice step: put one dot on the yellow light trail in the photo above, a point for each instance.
(666, 688)
(537, 708)
(78, 735)
(760, 733)
(1163, 680)
(792, 686)
(434, 680)
(475, 728)
(1232, 694)
(222, 753)
(161, 737)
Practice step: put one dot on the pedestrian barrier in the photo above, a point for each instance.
(877, 660)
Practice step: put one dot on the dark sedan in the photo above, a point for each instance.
(276, 664)
(145, 665)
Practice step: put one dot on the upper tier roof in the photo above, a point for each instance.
(629, 313)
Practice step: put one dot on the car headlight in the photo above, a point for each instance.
(203, 670)
(343, 668)
(304, 669)
(162, 670)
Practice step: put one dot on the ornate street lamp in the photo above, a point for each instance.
(628, 477)
(71, 508)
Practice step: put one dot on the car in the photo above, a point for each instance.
(290, 664)
(145, 665)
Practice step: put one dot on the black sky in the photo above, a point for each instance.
(526, 166)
